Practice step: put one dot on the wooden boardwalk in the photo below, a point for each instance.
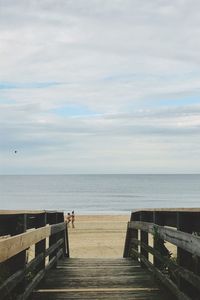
(99, 279)
(50, 274)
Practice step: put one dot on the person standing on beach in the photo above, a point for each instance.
(73, 219)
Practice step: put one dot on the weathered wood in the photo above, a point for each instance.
(55, 246)
(17, 277)
(127, 242)
(181, 239)
(40, 247)
(18, 261)
(21, 212)
(174, 267)
(52, 219)
(158, 243)
(165, 280)
(177, 209)
(162, 278)
(66, 248)
(109, 294)
(11, 283)
(99, 279)
(18, 243)
(34, 282)
(144, 236)
(58, 227)
(184, 235)
(185, 258)
(54, 260)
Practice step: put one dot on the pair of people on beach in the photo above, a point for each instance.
(71, 218)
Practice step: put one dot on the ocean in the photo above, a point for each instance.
(98, 194)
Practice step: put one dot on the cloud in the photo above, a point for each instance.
(99, 86)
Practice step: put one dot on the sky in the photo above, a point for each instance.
(99, 86)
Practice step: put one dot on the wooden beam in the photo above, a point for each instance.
(18, 243)
(178, 209)
(144, 236)
(175, 268)
(58, 227)
(15, 244)
(165, 281)
(127, 242)
(13, 280)
(181, 239)
(20, 212)
(40, 247)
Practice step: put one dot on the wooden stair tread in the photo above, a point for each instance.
(99, 279)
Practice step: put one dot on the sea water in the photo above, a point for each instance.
(99, 194)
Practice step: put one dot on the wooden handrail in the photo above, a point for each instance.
(183, 240)
(18, 277)
(181, 274)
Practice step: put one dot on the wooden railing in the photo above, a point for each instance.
(167, 242)
(31, 243)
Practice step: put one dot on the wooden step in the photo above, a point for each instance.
(99, 279)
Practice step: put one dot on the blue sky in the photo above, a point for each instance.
(26, 85)
(99, 86)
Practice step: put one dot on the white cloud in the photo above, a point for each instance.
(119, 59)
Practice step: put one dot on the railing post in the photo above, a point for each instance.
(184, 258)
(13, 225)
(196, 229)
(52, 219)
(158, 219)
(127, 242)
(144, 237)
(40, 247)
(134, 234)
(64, 235)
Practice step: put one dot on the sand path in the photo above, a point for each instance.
(98, 236)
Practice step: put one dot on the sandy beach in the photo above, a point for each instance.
(98, 236)
(101, 236)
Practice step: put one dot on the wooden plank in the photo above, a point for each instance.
(176, 269)
(158, 243)
(60, 278)
(184, 258)
(144, 236)
(18, 243)
(66, 247)
(34, 282)
(111, 279)
(87, 262)
(9, 284)
(178, 209)
(127, 242)
(15, 244)
(101, 295)
(39, 276)
(98, 289)
(55, 246)
(52, 219)
(21, 212)
(181, 239)
(165, 280)
(40, 247)
(55, 228)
